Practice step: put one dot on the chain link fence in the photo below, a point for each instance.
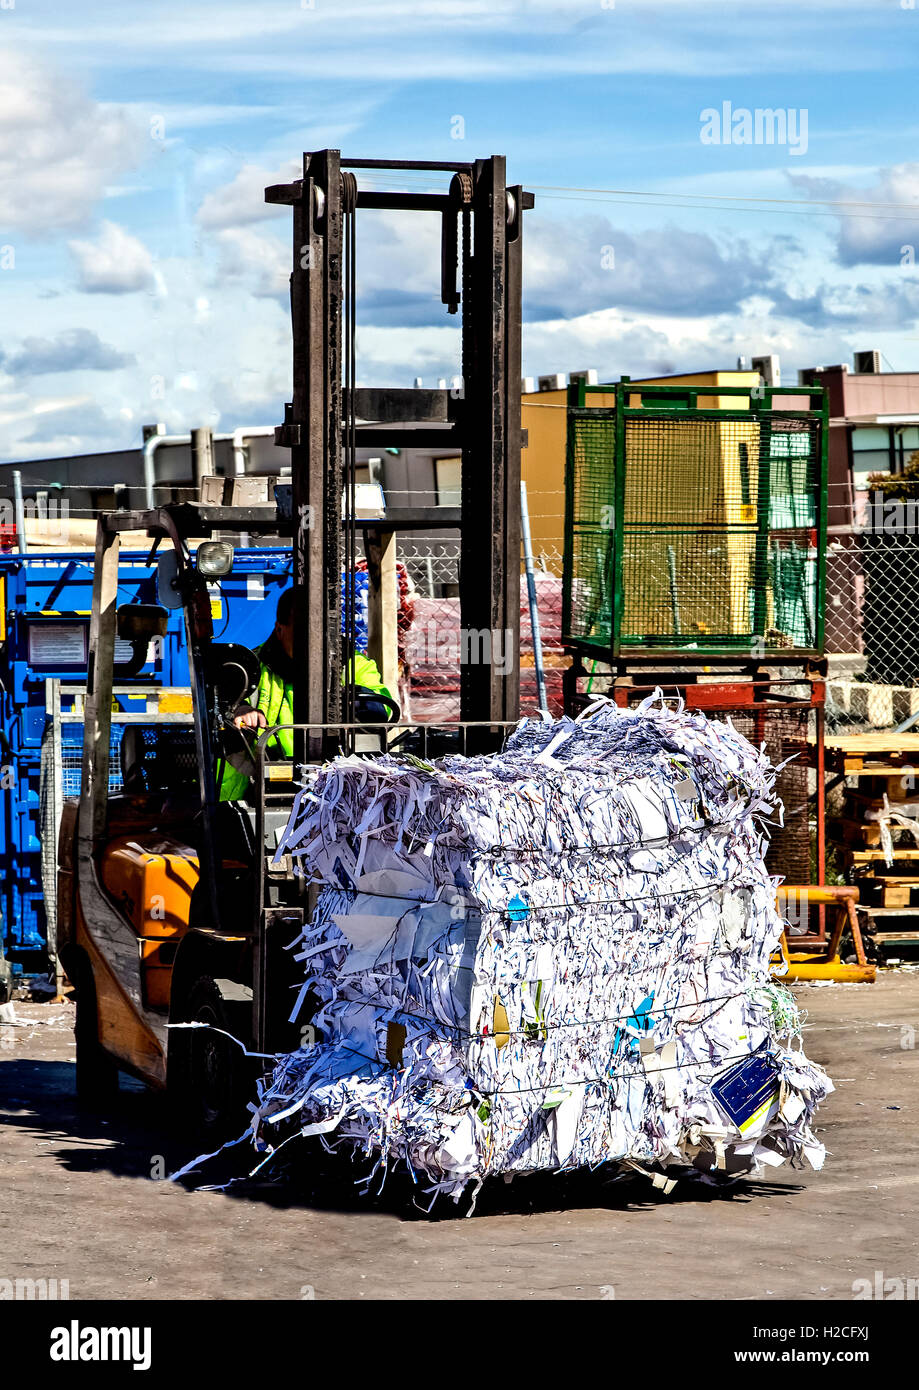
(435, 642)
(872, 623)
(872, 632)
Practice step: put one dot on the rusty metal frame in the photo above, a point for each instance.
(823, 963)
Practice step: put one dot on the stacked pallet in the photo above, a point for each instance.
(877, 834)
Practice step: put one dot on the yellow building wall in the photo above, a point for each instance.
(544, 416)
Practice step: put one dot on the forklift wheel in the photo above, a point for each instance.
(208, 1078)
(97, 1074)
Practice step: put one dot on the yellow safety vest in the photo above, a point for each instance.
(275, 700)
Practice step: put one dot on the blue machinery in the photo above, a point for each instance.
(45, 604)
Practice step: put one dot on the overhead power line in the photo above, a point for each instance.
(727, 202)
(728, 197)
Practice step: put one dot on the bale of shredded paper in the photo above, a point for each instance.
(551, 957)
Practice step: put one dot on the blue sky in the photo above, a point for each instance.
(143, 278)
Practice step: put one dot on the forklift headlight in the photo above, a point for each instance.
(214, 559)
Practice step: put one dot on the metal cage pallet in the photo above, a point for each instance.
(693, 532)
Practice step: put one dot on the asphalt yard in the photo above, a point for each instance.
(83, 1198)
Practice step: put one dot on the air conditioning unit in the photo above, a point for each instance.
(527, 385)
(589, 378)
(768, 368)
(251, 490)
(868, 363)
(369, 501)
(555, 382)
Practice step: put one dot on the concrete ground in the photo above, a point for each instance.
(78, 1203)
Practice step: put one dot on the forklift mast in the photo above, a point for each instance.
(330, 418)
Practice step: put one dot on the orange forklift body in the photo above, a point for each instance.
(152, 883)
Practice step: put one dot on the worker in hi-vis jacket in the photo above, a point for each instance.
(273, 702)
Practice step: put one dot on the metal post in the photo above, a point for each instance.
(490, 483)
(313, 432)
(53, 707)
(618, 532)
(674, 591)
(534, 605)
(821, 463)
(20, 514)
(202, 457)
(207, 772)
(150, 445)
(98, 709)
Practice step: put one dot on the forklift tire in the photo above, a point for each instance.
(96, 1071)
(208, 1078)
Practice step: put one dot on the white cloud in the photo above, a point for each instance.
(589, 262)
(412, 40)
(115, 263)
(262, 262)
(876, 220)
(58, 148)
(242, 201)
(614, 342)
(75, 349)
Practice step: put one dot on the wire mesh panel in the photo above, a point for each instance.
(872, 632)
(694, 530)
(784, 731)
(590, 527)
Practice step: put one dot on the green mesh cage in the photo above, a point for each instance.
(698, 530)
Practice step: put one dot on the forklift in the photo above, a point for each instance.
(159, 884)
(174, 906)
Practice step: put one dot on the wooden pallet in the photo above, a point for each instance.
(873, 755)
(854, 855)
(867, 834)
(873, 800)
(885, 765)
(883, 927)
(891, 892)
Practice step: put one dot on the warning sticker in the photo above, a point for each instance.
(58, 644)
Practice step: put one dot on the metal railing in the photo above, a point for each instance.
(62, 759)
